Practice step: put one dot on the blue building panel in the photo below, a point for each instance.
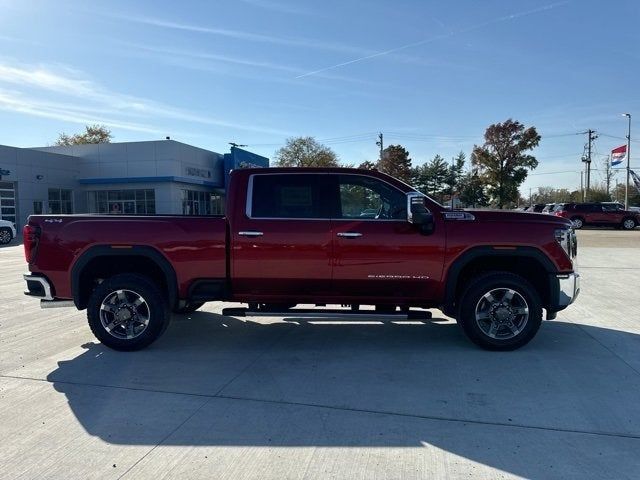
(239, 158)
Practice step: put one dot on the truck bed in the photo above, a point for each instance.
(194, 246)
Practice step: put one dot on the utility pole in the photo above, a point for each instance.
(591, 137)
(380, 143)
(626, 185)
(582, 185)
(608, 174)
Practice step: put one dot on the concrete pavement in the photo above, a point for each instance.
(218, 397)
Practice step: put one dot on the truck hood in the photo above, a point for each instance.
(518, 217)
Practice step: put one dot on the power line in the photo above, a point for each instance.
(617, 137)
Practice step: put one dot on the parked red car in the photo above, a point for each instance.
(310, 236)
(604, 214)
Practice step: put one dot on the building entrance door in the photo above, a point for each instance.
(8, 201)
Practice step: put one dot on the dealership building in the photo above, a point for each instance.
(131, 178)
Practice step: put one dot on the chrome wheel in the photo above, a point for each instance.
(577, 222)
(5, 236)
(124, 314)
(502, 313)
(629, 224)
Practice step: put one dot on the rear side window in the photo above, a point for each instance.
(287, 196)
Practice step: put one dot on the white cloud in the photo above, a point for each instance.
(282, 7)
(66, 94)
(242, 35)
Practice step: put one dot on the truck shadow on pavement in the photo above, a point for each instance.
(217, 381)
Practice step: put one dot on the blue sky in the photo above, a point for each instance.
(429, 75)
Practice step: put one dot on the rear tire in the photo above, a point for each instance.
(500, 311)
(127, 312)
(578, 222)
(5, 236)
(628, 224)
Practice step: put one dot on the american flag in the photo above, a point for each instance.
(618, 155)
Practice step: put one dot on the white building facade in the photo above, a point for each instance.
(132, 178)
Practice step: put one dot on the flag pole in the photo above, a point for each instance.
(626, 185)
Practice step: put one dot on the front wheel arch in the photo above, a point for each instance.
(527, 261)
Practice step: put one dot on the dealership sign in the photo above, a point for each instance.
(197, 172)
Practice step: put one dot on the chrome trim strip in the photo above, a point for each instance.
(349, 234)
(42, 281)
(250, 233)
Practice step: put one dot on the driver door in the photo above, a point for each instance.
(378, 256)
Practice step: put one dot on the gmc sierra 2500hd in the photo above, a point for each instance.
(308, 236)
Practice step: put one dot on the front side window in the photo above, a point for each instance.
(288, 196)
(369, 198)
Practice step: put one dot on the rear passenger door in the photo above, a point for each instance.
(282, 245)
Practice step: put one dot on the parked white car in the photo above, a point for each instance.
(7, 231)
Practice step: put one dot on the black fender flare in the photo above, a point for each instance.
(148, 252)
(484, 251)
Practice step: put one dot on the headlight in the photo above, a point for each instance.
(567, 239)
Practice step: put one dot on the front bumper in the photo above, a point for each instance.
(568, 289)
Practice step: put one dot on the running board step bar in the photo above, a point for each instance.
(324, 313)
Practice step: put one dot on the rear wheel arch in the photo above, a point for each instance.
(528, 262)
(104, 261)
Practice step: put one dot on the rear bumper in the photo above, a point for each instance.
(38, 287)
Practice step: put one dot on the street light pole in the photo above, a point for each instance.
(626, 185)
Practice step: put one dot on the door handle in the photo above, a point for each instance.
(250, 233)
(349, 234)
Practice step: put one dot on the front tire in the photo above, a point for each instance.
(127, 312)
(628, 224)
(5, 236)
(500, 311)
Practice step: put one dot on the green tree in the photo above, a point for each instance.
(550, 195)
(472, 192)
(395, 161)
(92, 134)
(367, 165)
(305, 152)
(454, 174)
(502, 160)
(431, 177)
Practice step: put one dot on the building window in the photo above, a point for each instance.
(195, 202)
(60, 201)
(37, 207)
(125, 202)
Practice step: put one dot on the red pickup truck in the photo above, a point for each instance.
(291, 236)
